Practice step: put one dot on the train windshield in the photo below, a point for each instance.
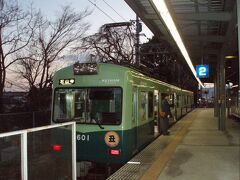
(88, 105)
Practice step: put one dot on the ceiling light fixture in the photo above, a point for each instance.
(163, 11)
(230, 57)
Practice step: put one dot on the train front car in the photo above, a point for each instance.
(92, 95)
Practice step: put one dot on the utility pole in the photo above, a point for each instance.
(137, 45)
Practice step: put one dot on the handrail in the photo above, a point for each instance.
(24, 151)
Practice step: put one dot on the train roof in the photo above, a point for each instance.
(69, 71)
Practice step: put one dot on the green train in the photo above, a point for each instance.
(116, 109)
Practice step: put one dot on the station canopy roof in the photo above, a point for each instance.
(208, 29)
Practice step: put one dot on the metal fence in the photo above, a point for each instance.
(47, 152)
(18, 121)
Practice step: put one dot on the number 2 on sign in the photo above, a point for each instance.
(202, 71)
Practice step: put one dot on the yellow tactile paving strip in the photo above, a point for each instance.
(159, 164)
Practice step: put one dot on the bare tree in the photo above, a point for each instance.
(51, 40)
(16, 30)
(113, 43)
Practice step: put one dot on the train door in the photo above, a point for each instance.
(175, 107)
(156, 112)
(172, 104)
(159, 110)
(179, 112)
(135, 117)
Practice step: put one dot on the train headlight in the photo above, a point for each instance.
(84, 68)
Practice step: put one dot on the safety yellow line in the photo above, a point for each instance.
(156, 168)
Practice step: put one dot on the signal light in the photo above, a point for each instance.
(57, 147)
(114, 152)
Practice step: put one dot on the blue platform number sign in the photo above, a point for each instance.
(202, 71)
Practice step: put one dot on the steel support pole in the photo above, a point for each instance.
(222, 93)
(238, 22)
(218, 92)
(216, 95)
(74, 152)
(24, 156)
(137, 41)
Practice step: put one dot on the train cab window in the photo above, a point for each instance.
(106, 105)
(64, 105)
(79, 104)
(88, 105)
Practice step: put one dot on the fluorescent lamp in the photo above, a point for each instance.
(163, 11)
(230, 57)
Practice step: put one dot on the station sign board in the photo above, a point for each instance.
(202, 71)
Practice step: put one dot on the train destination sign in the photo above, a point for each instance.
(84, 68)
(66, 81)
(202, 71)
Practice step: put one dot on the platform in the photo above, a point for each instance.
(195, 149)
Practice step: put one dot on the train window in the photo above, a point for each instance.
(143, 109)
(88, 105)
(106, 109)
(101, 94)
(79, 104)
(134, 105)
(155, 104)
(184, 100)
(150, 104)
(64, 103)
(171, 100)
(178, 99)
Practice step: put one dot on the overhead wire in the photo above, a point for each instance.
(16, 85)
(134, 27)
(114, 10)
(101, 10)
(94, 4)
